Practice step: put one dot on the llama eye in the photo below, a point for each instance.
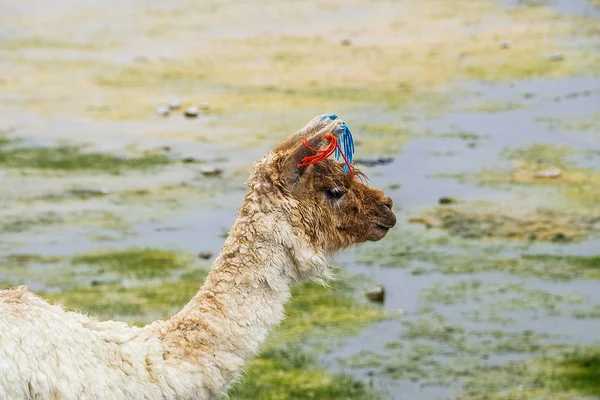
(335, 193)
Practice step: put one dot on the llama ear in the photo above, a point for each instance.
(314, 137)
(309, 130)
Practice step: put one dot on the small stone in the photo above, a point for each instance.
(346, 42)
(174, 104)
(163, 111)
(204, 106)
(505, 44)
(205, 255)
(191, 112)
(549, 173)
(376, 294)
(556, 57)
(560, 237)
(166, 148)
(447, 200)
(188, 160)
(94, 282)
(429, 222)
(210, 170)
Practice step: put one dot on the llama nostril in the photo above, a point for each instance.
(387, 202)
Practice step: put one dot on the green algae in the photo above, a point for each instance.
(74, 159)
(541, 225)
(592, 313)
(316, 310)
(107, 301)
(38, 42)
(429, 253)
(434, 352)
(537, 167)
(290, 373)
(573, 373)
(147, 75)
(32, 221)
(582, 124)
(5, 140)
(24, 259)
(539, 153)
(470, 136)
(21, 223)
(137, 262)
(169, 196)
(546, 267)
(498, 297)
(494, 107)
(383, 139)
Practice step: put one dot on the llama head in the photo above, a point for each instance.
(330, 204)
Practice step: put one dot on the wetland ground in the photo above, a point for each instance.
(488, 108)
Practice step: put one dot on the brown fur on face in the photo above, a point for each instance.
(335, 210)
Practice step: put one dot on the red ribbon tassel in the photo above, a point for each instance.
(323, 154)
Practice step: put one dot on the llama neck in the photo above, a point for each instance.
(241, 300)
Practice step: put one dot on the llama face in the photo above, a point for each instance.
(335, 208)
(338, 211)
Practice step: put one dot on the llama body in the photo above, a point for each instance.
(282, 235)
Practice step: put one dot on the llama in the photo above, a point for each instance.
(301, 207)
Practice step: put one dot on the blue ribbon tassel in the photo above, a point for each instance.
(346, 142)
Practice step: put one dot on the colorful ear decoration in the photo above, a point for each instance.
(341, 148)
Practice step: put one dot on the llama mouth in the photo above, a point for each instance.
(384, 227)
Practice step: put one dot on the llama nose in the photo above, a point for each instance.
(388, 202)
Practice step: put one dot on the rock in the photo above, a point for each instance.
(174, 104)
(346, 42)
(372, 162)
(376, 294)
(505, 44)
(205, 255)
(191, 112)
(188, 160)
(166, 148)
(447, 200)
(163, 111)
(210, 170)
(549, 173)
(560, 237)
(95, 282)
(556, 57)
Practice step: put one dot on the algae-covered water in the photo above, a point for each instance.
(488, 109)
